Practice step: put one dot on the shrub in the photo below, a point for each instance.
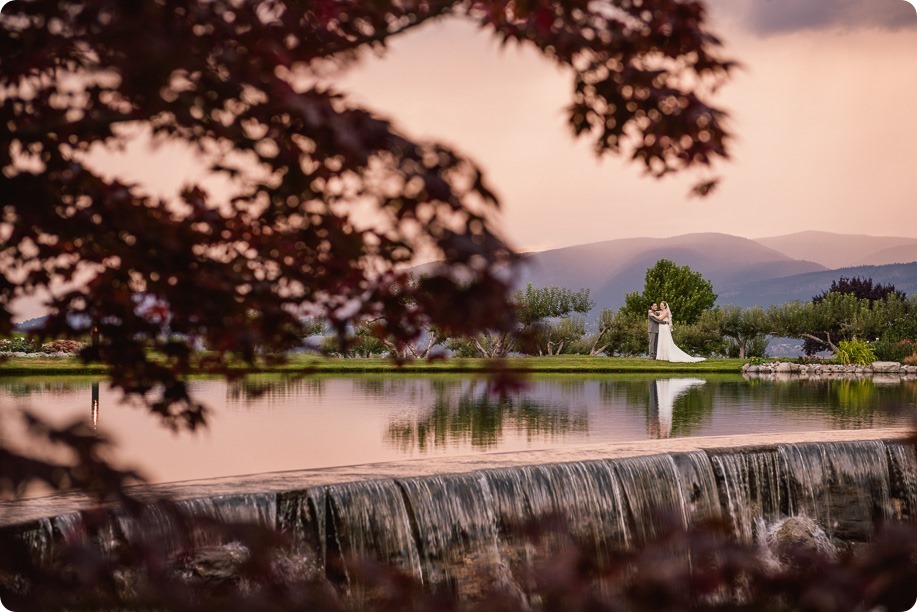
(855, 352)
(911, 359)
(62, 346)
(888, 350)
(19, 344)
(462, 347)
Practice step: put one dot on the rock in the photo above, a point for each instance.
(212, 565)
(796, 538)
(784, 368)
(745, 367)
(886, 366)
(751, 369)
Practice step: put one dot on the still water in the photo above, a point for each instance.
(272, 424)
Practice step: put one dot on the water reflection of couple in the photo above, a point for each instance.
(663, 394)
(661, 344)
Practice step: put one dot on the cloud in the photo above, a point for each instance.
(783, 16)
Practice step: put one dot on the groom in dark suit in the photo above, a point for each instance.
(652, 329)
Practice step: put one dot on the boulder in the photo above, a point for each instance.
(796, 538)
(784, 368)
(886, 366)
(212, 565)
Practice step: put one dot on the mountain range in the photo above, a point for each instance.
(844, 250)
(743, 271)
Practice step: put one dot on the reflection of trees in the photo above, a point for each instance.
(849, 403)
(467, 413)
(273, 387)
(24, 387)
(842, 398)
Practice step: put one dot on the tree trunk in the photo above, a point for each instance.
(480, 348)
(827, 342)
(598, 337)
(431, 342)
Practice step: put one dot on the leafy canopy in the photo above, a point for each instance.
(687, 292)
(838, 311)
(535, 304)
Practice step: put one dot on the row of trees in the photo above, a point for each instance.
(552, 321)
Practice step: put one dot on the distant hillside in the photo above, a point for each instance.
(804, 286)
(614, 268)
(906, 253)
(844, 250)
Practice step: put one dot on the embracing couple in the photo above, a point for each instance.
(659, 328)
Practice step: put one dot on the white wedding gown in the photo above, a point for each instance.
(666, 350)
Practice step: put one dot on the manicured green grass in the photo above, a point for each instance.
(566, 363)
(21, 366)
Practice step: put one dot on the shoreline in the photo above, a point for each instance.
(564, 364)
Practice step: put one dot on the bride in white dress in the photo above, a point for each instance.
(666, 350)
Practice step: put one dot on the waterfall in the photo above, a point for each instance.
(698, 486)
(369, 520)
(902, 466)
(466, 531)
(582, 498)
(454, 527)
(844, 486)
(751, 487)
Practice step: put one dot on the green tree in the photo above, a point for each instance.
(686, 291)
(602, 338)
(704, 336)
(537, 308)
(559, 336)
(364, 341)
(840, 316)
(862, 289)
(535, 305)
(626, 336)
(744, 326)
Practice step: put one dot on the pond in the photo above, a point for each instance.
(268, 424)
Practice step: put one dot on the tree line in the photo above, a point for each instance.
(553, 321)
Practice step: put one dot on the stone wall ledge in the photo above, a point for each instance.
(878, 369)
(28, 509)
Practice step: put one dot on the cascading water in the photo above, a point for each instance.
(844, 486)
(751, 487)
(370, 520)
(581, 498)
(449, 530)
(454, 527)
(652, 495)
(698, 486)
(902, 466)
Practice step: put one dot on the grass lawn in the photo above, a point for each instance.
(24, 366)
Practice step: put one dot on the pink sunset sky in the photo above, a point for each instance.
(824, 114)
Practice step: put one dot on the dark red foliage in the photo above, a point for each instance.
(236, 81)
(862, 288)
(242, 84)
